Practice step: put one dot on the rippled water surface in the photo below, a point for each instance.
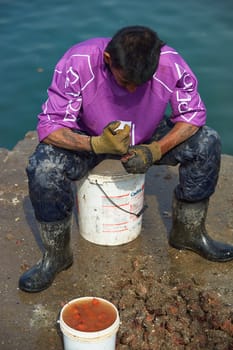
(34, 34)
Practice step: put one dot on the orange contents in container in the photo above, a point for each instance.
(89, 315)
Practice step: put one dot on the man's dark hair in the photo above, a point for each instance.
(135, 50)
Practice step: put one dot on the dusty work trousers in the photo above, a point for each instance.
(51, 171)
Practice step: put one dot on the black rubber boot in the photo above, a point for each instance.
(57, 256)
(189, 232)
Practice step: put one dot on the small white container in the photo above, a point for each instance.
(108, 201)
(79, 340)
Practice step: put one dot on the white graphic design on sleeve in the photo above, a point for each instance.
(183, 97)
(72, 78)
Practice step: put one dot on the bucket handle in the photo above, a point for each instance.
(145, 206)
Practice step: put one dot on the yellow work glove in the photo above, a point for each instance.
(141, 157)
(112, 141)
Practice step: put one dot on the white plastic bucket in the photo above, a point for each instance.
(109, 201)
(78, 340)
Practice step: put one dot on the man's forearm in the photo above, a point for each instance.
(178, 134)
(66, 138)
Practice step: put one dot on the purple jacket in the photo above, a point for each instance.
(84, 95)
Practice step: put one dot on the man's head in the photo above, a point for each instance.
(133, 55)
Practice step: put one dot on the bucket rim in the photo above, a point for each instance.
(103, 178)
(89, 336)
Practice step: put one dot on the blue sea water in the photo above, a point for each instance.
(35, 34)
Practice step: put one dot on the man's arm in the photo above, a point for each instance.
(111, 141)
(178, 134)
(141, 157)
(66, 138)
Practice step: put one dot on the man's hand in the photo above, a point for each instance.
(140, 158)
(112, 141)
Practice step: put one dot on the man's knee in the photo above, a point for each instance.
(199, 175)
(44, 166)
(209, 139)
